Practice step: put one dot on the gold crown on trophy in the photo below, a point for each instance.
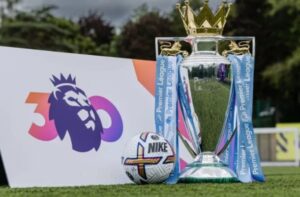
(206, 23)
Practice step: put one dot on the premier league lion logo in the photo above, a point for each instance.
(72, 112)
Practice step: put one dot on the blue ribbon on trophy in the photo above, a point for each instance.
(236, 156)
(166, 100)
(241, 155)
(237, 145)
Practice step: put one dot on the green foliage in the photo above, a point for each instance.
(177, 25)
(278, 4)
(274, 23)
(11, 3)
(276, 26)
(284, 77)
(33, 30)
(137, 38)
(280, 182)
(39, 29)
(251, 18)
(96, 28)
(281, 73)
(139, 12)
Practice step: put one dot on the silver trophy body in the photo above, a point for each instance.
(207, 78)
(210, 81)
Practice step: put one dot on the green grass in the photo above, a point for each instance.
(283, 181)
(210, 105)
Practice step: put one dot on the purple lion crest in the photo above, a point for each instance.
(72, 112)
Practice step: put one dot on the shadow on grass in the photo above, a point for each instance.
(3, 179)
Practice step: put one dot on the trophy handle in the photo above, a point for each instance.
(169, 49)
(243, 47)
(227, 143)
(188, 147)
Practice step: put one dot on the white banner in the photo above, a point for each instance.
(65, 118)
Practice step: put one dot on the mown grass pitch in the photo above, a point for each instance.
(281, 181)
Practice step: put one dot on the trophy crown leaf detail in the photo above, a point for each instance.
(206, 23)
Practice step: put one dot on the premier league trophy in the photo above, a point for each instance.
(210, 96)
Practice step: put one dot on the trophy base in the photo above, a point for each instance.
(207, 168)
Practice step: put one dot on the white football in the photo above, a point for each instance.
(148, 158)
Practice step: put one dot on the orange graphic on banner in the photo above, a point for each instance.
(47, 132)
(145, 72)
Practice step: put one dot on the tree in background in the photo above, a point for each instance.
(101, 33)
(277, 35)
(11, 3)
(274, 23)
(138, 35)
(137, 38)
(93, 26)
(39, 29)
(284, 74)
(251, 18)
(177, 25)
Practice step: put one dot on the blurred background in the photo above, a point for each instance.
(128, 29)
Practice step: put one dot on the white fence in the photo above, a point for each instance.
(272, 145)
